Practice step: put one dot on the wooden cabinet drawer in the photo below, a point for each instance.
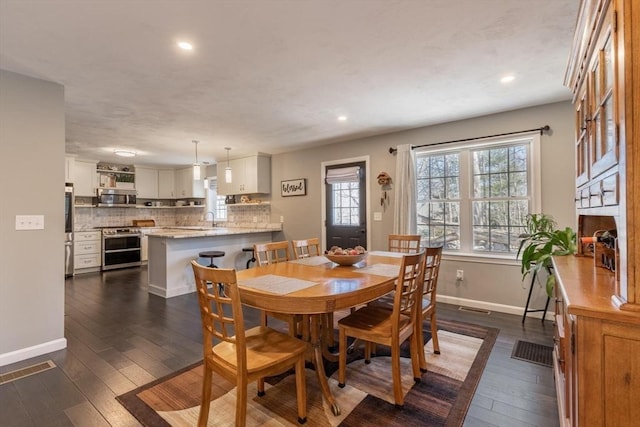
(89, 247)
(89, 260)
(82, 236)
(609, 190)
(595, 195)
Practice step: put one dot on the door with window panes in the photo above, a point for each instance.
(346, 215)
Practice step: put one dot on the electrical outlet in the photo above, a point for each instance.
(281, 219)
(255, 219)
(460, 275)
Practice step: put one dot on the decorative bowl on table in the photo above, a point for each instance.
(346, 257)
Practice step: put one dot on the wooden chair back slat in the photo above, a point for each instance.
(306, 248)
(272, 252)
(221, 313)
(405, 243)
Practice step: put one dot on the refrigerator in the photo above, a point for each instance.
(68, 230)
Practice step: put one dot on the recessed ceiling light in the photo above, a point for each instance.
(508, 79)
(342, 118)
(124, 153)
(185, 45)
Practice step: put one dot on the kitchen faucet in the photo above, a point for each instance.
(213, 218)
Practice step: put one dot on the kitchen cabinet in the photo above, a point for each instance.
(87, 251)
(146, 182)
(144, 242)
(85, 178)
(250, 175)
(166, 184)
(186, 186)
(69, 169)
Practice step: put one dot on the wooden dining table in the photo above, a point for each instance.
(314, 287)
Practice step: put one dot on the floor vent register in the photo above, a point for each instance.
(534, 353)
(25, 372)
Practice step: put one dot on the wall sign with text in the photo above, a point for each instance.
(293, 187)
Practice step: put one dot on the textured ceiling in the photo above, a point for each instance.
(273, 76)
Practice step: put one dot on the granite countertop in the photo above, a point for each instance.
(190, 232)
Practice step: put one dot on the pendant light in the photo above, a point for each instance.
(196, 165)
(228, 177)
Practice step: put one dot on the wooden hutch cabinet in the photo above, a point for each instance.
(597, 328)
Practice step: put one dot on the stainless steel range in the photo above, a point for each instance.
(120, 247)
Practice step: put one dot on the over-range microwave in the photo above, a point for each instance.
(116, 197)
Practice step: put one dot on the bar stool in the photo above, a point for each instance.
(253, 256)
(211, 255)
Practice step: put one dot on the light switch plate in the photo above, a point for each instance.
(377, 216)
(29, 222)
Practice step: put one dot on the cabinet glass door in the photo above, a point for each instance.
(582, 140)
(604, 153)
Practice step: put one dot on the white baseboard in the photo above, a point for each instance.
(29, 352)
(501, 308)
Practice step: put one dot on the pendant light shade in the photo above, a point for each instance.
(196, 165)
(228, 175)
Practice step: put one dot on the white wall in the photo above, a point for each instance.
(32, 132)
(495, 286)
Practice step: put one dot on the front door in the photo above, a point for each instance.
(346, 204)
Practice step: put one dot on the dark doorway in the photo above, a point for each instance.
(346, 204)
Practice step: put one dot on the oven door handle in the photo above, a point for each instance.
(116, 236)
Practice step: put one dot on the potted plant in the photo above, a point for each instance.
(541, 241)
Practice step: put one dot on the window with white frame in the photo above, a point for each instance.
(475, 198)
(215, 203)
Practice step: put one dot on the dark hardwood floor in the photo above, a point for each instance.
(120, 337)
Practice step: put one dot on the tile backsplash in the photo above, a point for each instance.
(238, 216)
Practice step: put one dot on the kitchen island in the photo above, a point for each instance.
(172, 249)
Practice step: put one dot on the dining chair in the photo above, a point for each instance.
(241, 356)
(375, 324)
(306, 248)
(405, 243)
(272, 253)
(427, 308)
(433, 255)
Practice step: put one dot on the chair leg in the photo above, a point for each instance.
(260, 386)
(301, 391)
(241, 401)
(397, 378)
(415, 357)
(368, 349)
(342, 357)
(419, 334)
(203, 418)
(434, 334)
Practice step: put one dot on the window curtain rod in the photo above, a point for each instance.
(542, 129)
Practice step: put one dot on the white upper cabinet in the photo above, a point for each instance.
(250, 175)
(85, 178)
(147, 182)
(186, 186)
(166, 184)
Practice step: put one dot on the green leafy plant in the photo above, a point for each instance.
(542, 241)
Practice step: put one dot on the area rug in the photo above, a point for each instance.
(533, 352)
(441, 398)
